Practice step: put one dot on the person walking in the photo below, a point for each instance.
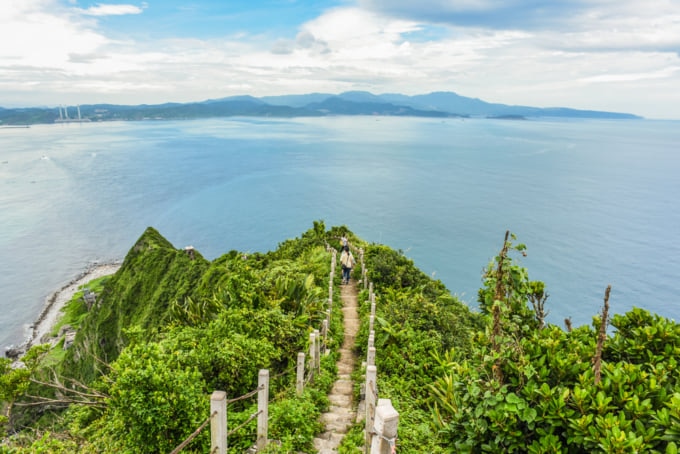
(347, 262)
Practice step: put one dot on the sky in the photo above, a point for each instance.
(611, 55)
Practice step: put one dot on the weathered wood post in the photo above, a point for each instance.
(370, 357)
(333, 262)
(371, 321)
(363, 266)
(262, 409)
(312, 351)
(385, 428)
(218, 422)
(324, 330)
(371, 396)
(330, 290)
(317, 351)
(300, 378)
(371, 339)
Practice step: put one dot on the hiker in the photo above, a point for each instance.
(343, 240)
(347, 261)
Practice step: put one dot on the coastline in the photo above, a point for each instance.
(54, 304)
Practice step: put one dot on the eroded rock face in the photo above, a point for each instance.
(14, 353)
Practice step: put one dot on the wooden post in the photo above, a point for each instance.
(218, 423)
(370, 358)
(300, 378)
(324, 328)
(385, 428)
(371, 339)
(330, 308)
(262, 409)
(317, 350)
(371, 321)
(372, 308)
(370, 288)
(371, 396)
(330, 289)
(363, 266)
(312, 350)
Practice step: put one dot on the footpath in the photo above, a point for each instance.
(342, 413)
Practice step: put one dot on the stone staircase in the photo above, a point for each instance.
(342, 412)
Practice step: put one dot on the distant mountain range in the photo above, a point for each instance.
(438, 104)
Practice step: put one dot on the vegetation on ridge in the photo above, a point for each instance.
(170, 327)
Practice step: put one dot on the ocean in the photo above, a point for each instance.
(595, 201)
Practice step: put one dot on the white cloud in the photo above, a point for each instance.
(40, 38)
(594, 63)
(663, 73)
(111, 10)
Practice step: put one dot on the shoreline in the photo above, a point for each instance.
(54, 304)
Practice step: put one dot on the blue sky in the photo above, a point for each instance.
(615, 55)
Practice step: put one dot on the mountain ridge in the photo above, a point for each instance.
(434, 104)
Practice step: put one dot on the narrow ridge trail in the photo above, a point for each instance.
(342, 413)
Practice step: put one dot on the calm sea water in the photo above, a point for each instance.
(596, 202)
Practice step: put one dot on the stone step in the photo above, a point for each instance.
(328, 442)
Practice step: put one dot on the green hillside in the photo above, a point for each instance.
(170, 327)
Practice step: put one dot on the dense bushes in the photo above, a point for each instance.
(168, 329)
(526, 389)
(173, 328)
(416, 319)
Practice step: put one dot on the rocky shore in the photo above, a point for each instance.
(55, 304)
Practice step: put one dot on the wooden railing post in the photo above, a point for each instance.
(312, 351)
(324, 330)
(333, 262)
(330, 309)
(371, 396)
(370, 357)
(300, 378)
(262, 409)
(330, 291)
(218, 422)
(363, 266)
(385, 428)
(317, 350)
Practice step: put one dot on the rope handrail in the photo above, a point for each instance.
(245, 396)
(282, 373)
(253, 416)
(186, 442)
(391, 441)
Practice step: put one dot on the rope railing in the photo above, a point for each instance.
(245, 396)
(191, 437)
(381, 419)
(317, 345)
(245, 423)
